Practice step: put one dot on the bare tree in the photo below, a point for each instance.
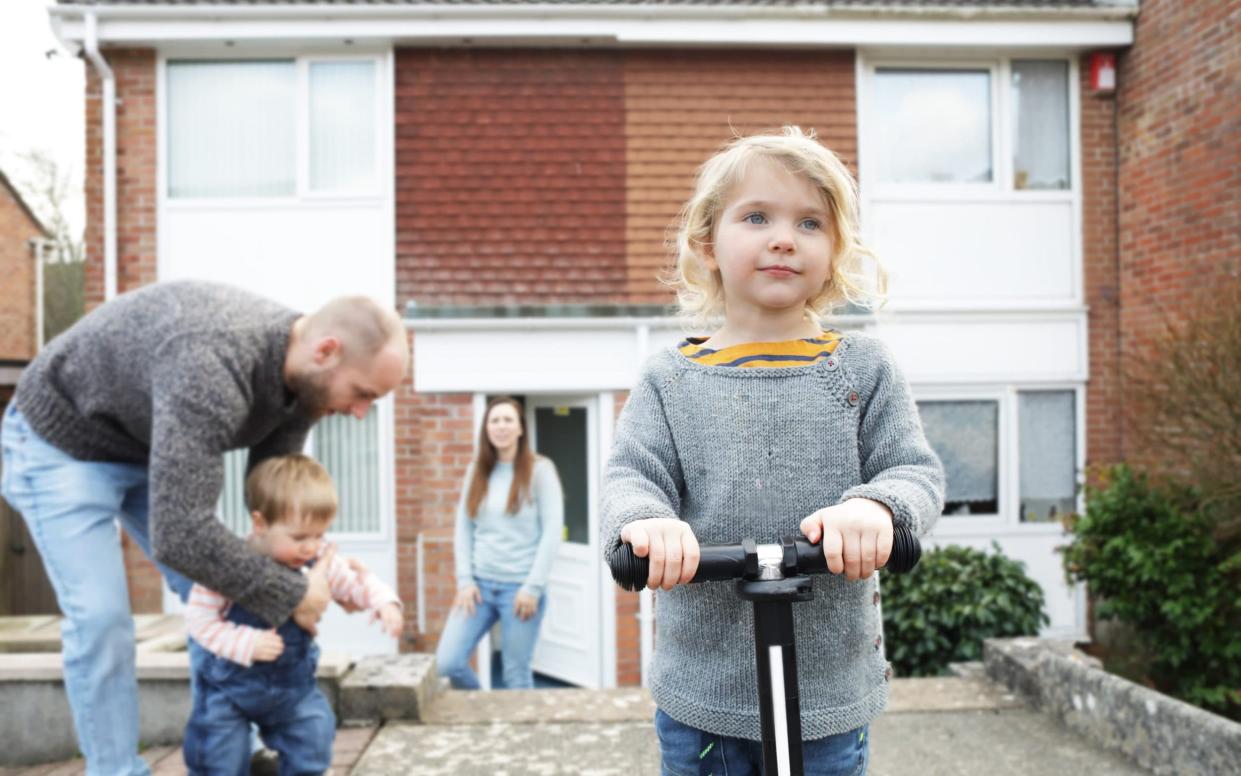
(49, 188)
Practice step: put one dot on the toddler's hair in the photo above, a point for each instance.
(281, 487)
(700, 292)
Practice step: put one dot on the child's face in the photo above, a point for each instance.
(294, 540)
(772, 244)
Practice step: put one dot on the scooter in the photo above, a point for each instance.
(773, 577)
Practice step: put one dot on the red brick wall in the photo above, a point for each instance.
(681, 106)
(510, 176)
(1099, 260)
(134, 70)
(1179, 103)
(434, 444)
(18, 338)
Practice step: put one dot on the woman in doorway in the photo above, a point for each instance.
(509, 524)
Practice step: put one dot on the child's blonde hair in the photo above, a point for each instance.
(700, 291)
(287, 485)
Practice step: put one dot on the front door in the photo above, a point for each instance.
(569, 647)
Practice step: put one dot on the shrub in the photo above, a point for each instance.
(1154, 560)
(940, 612)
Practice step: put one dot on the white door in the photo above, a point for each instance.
(570, 647)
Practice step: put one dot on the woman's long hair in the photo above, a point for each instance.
(485, 462)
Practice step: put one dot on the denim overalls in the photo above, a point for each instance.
(281, 697)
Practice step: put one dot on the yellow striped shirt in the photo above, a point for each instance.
(764, 354)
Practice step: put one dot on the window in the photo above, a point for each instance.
(1001, 124)
(934, 126)
(349, 449)
(1040, 124)
(984, 443)
(271, 128)
(231, 129)
(966, 437)
(1046, 431)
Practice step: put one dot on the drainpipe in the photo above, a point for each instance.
(108, 109)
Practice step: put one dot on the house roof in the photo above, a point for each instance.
(877, 5)
(21, 203)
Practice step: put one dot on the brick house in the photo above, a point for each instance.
(505, 173)
(22, 240)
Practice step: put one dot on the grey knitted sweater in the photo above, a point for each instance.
(172, 376)
(742, 453)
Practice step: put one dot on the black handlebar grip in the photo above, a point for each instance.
(719, 562)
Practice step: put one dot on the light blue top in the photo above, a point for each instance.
(503, 547)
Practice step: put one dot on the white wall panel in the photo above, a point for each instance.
(971, 253)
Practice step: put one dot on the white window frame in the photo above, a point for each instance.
(1007, 521)
(303, 194)
(1001, 187)
(385, 440)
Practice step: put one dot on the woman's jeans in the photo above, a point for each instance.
(72, 508)
(517, 638)
(687, 751)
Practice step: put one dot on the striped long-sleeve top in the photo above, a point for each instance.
(206, 611)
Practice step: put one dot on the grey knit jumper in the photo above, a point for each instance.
(742, 453)
(172, 376)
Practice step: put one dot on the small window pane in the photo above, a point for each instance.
(231, 129)
(349, 449)
(342, 126)
(934, 126)
(965, 435)
(1041, 125)
(232, 505)
(1047, 433)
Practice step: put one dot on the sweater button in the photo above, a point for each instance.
(853, 398)
(830, 364)
(875, 600)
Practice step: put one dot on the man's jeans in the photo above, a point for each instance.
(72, 508)
(517, 638)
(687, 751)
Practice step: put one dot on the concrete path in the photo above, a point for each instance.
(950, 726)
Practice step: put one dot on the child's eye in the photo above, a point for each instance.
(811, 224)
(755, 218)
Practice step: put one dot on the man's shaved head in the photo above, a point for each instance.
(362, 325)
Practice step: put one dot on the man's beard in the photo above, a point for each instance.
(312, 393)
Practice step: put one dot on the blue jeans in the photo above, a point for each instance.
(72, 508)
(517, 638)
(294, 718)
(687, 751)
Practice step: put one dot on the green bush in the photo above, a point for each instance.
(940, 612)
(1155, 559)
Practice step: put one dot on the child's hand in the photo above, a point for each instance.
(525, 605)
(267, 647)
(857, 536)
(466, 598)
(391, 619)
(671, 547)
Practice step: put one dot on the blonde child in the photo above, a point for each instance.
(772, 424)
(247, 672)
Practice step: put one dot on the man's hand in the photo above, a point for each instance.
(857, 536)
(391, 619)
(318, 594)
(267, 647)
(671, 547)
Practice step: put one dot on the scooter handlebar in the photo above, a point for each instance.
(721, 562)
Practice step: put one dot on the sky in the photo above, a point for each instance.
(41, 97)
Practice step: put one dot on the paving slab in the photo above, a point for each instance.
(513, 749)
(537, 706)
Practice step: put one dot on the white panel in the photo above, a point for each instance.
(298, 255)
(1038, 552)
(971, 251)
(521, 360)
(981, 348)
